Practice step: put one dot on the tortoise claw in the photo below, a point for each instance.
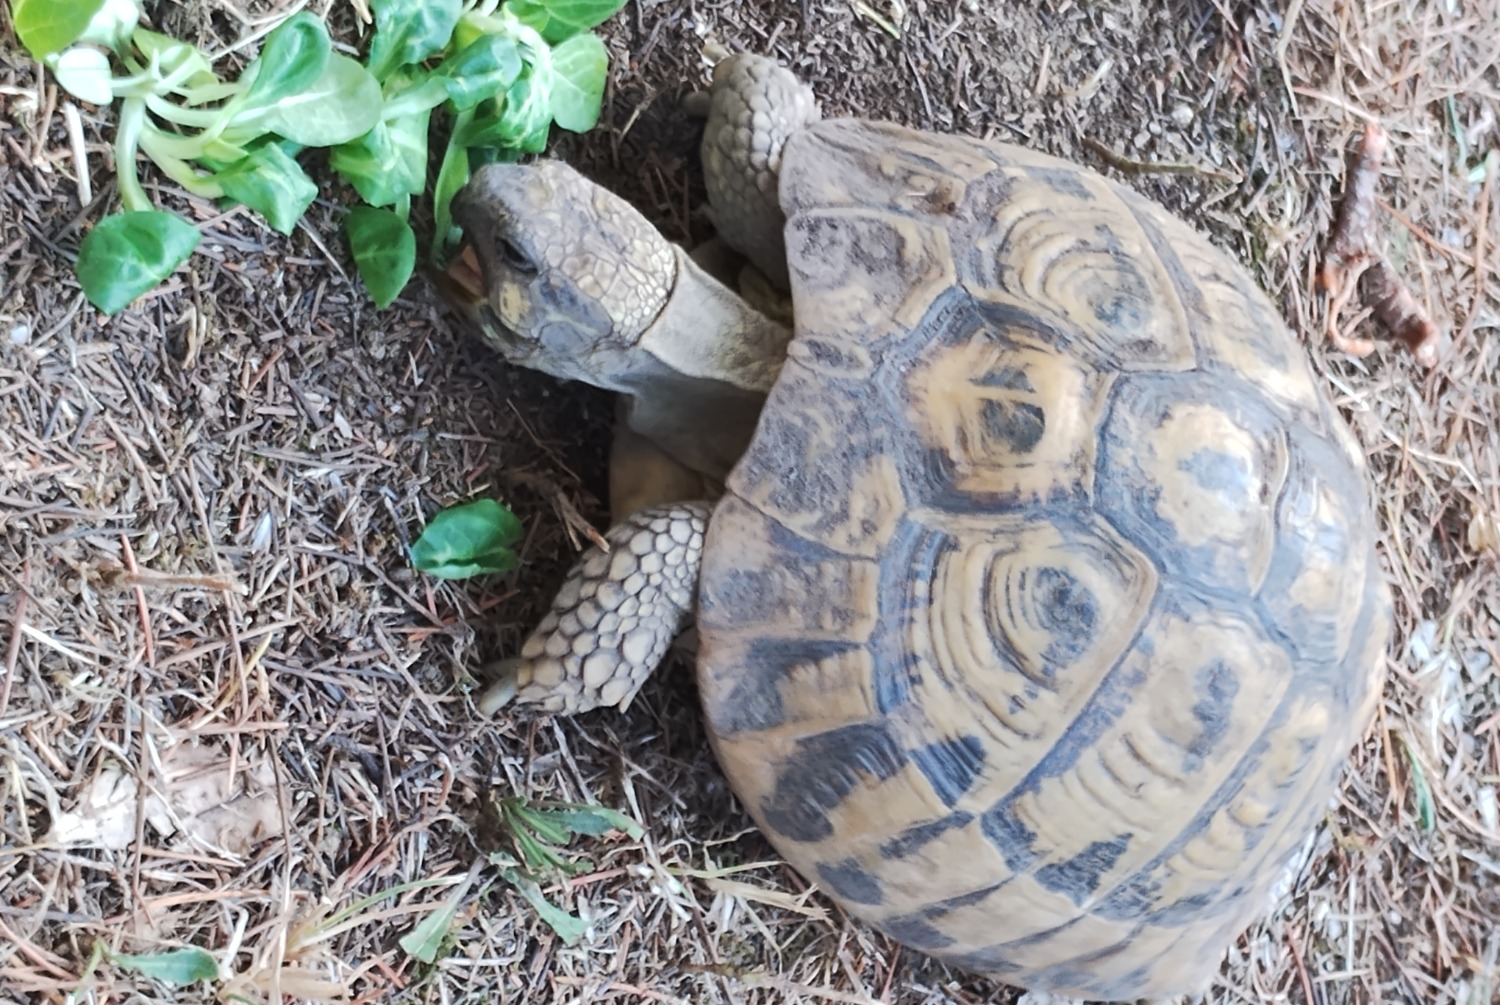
(504, 674)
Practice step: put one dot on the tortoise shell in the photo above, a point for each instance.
(1039, 618)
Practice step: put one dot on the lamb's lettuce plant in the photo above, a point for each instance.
(496, 75)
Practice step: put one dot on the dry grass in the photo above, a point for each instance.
(204, 502)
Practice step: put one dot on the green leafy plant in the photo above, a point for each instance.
(499, 75)
(539, 831)
(469, 539)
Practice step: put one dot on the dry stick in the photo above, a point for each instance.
(1130, 166)
(13, 651)
(1492, 165)
(1351, 264)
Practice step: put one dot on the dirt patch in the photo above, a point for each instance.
(204, 505)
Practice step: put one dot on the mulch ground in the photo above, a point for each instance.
(205, 504)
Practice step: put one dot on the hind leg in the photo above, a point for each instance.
(754, 104)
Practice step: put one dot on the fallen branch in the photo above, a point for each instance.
(1351, 264)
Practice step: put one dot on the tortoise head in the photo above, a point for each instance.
(573, 274)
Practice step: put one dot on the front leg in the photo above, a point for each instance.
(613, 619)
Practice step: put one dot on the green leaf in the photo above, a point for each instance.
(426, 940)
(524, 115)
(272, 183)
(469, 539)
(48, 26)
(596, 820)
(342, 104)
(570, 928)
(559, 20)
(483, 69)
(385, 251)
(173, 55)
(83, 72)
(409, 31)
(294, 56)
(112, 24)
(452, 176)
(579, 68)
(388, 162)
(129, 253)
(181, 967)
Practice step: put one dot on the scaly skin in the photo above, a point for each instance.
(613, 619)
(755, 104)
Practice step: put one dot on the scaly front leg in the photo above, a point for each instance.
(613, 619)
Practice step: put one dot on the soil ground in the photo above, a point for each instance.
(205, 503)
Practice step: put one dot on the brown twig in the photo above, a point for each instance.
(1351, 264)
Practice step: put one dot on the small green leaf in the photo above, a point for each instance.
(579, 68)
(180, 967)
(426, 940)
(570, 928)
(466, 540)
(294, 56)
(559, 20)
(409, 31)
(173, 55)
(112, 23)
(386, 163)
(523, 118)
(129, 253)
(1426, 809)
(48, 26)
(342, 104)
(83, 72)
(272, 183)
(385, 251)
(452, 176)
(483, 69)
(596, 820)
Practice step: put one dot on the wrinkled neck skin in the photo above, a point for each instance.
(699, 375)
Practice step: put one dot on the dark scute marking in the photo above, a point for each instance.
(1004, 322)
(911, 555)
(917, 835)
(950, 766)
(992, 961)
(1121, 310)
(830, 356)
(1218, 472)
(1110, 701)
(912, 931)
(755, 703)
(1134, 899)
(1063, 180)
(1215, 687)
(1069, 613)
(1012, 378)
(822, 771)
(1012, 838)
(1020, 424)
(851, 881)
(1079, 876)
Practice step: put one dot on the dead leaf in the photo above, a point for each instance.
(196, 802)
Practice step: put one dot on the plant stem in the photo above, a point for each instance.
(154, 143)
(193, 118)
(127, 139)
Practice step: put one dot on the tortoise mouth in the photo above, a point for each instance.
(465, 276)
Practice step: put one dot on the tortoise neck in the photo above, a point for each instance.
(710, 361)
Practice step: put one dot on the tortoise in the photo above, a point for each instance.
(1033, 574)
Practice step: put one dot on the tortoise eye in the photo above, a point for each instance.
(514, 258)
